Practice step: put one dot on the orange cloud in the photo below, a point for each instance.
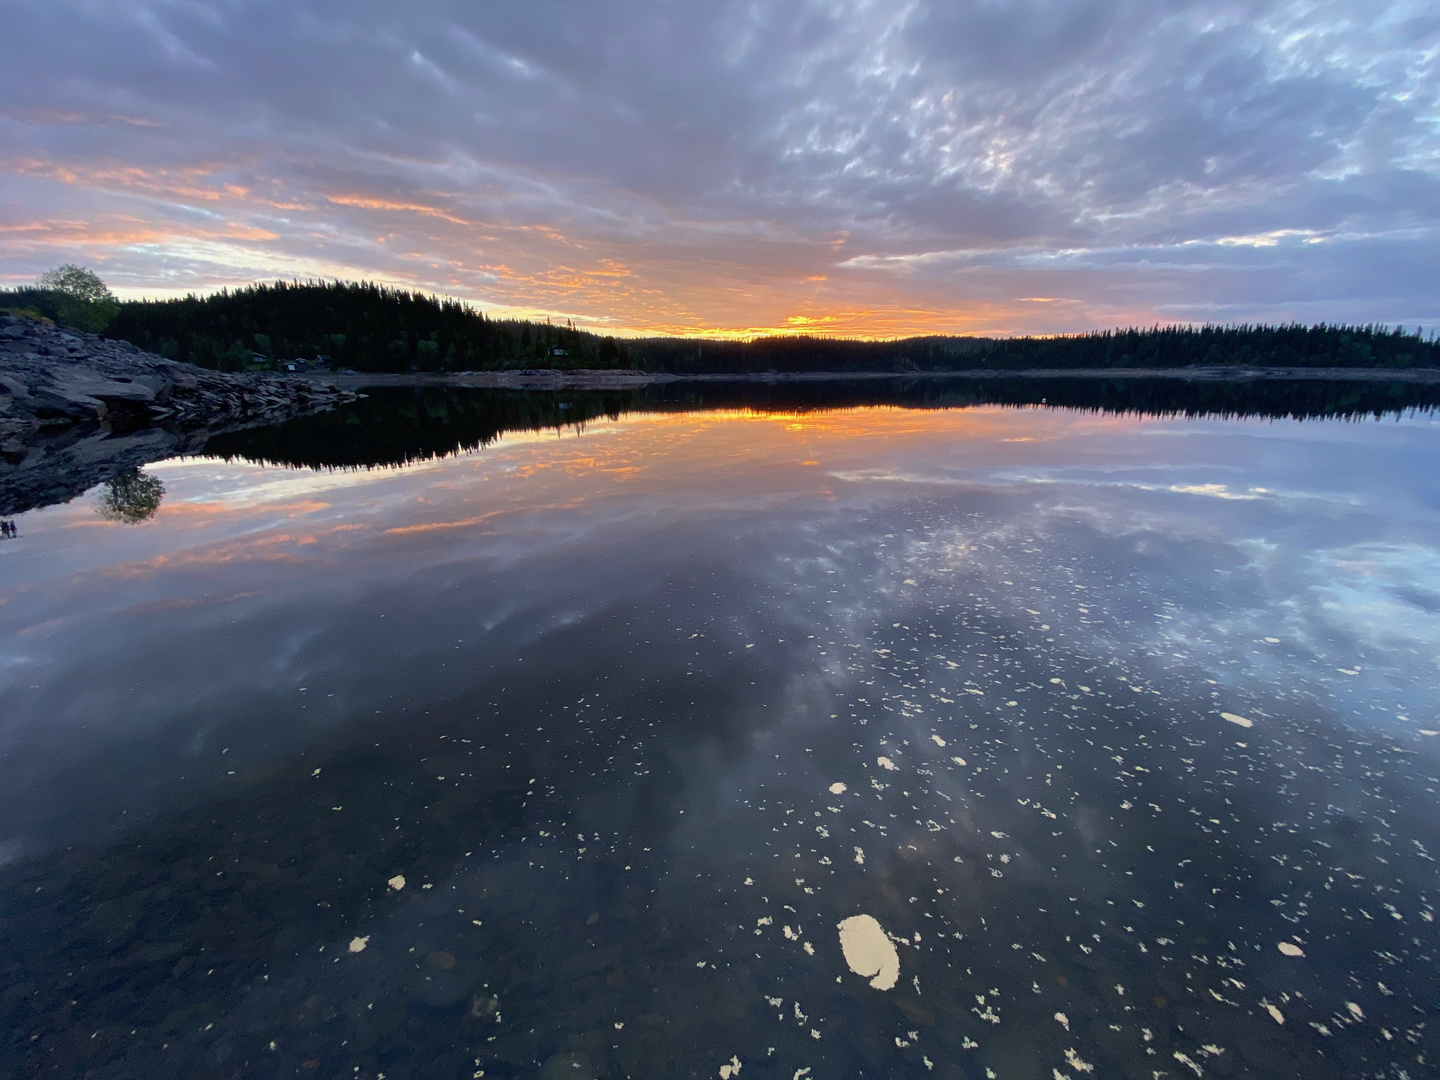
(367, 203)
(710, 280)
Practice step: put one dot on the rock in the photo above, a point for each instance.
(76, 410)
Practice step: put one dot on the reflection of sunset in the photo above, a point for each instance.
(462, 523)
(532, 487)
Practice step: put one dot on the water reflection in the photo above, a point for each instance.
(131, 497)
(397, 426)
(641, 714)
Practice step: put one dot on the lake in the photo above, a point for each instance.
(504, 735)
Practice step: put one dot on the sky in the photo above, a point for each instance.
(868, 168)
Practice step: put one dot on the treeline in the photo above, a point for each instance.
(799, 353)
(372, 328)
(1159, 347)
(1219, 346)
(361, 326)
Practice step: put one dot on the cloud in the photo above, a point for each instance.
(871, 166)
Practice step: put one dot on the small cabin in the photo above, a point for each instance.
(558, 351)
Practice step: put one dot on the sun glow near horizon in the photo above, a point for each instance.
(587, 313)
(871, 170)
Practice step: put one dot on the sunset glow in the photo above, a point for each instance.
(733, 170)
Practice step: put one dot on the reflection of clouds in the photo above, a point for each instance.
(204, 509)
(436, 526)
(521, 539)
(889, 476)
(1218, 491)
(686, 463)
(1059, 478)
(1383, 594)
(244, 491)
(1091, 478)
(941, 603)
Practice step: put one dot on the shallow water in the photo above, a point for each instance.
(568, 756)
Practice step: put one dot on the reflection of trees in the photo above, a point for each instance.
(131, 497)
(399, 425)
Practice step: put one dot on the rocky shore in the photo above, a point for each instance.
(76, 410)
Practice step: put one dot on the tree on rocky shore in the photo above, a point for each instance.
(69, 295)
(76, 281)
(84, 301)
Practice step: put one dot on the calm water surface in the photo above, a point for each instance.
(565, 757)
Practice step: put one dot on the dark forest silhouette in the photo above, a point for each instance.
(372, 328)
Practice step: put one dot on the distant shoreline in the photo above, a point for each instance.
(629, 379)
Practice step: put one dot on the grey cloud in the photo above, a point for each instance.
(685, 131)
